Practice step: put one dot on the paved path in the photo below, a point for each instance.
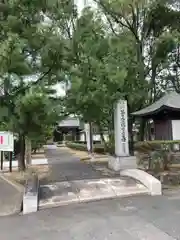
(10, 198)
(135, 218)
(68, 167)
(79, 191)
(73, 181)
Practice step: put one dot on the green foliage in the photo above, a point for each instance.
(98, 148)
(124, 49)
(148, 146)
(100, 75)
(35, 113)
(156, 155)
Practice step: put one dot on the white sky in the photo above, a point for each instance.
(60, 88)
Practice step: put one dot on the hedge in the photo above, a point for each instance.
(144, 147)
(148, 146)
(98, 148)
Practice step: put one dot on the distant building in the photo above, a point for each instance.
(68, 129)
(165, 114)
(72, 129)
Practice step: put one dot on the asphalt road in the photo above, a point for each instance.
(145, 218)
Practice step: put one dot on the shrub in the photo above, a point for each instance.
(149, 146)
(98, 148)
(157, 154)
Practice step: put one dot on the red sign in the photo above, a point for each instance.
(1, 140)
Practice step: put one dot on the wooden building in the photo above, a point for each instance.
(68, 129)
(165, 114)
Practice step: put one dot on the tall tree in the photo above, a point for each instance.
(34, 114)
(150, 24)
(103, 70)
(32, 51)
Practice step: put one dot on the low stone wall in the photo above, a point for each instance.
(31, 195)
(151, 183)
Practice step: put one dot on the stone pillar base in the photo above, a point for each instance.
(120, 163)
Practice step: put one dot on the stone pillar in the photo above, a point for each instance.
(121, 129)
(121, 160)
(88, 139)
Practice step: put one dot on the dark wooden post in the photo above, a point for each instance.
(91, 137)
(10, 161)
(2, 159)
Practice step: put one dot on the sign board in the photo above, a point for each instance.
(121, 129)
(6, 141)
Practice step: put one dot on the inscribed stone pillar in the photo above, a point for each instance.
(121, 129)
(121, 160)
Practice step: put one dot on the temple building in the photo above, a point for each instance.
(72, 129)
(68, 130)
(165, 114)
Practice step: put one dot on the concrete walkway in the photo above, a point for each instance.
(74, 181)
(78, 191)
(67, 167)
(10, 197)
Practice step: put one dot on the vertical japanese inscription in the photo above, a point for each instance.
(123, 122)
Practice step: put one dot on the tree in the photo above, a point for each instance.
(32, 54)
(35, 114)
(151, 25)
(104, 71)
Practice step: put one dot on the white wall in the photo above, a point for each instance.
(176, 129)
(96, 137)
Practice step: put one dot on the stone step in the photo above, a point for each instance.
(65, 193)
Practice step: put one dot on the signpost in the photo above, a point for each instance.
(6, 145)
(6, 141)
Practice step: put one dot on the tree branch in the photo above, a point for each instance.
(24, 88)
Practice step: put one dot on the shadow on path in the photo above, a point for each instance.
(67, 167)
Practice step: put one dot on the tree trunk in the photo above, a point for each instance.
(91, 137)
(131, 138)
(142, 129)
(102, 138)
(101, 133)
(28, 151)
(149, 138)
(21, 159)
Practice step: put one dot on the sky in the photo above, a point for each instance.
(60, 88)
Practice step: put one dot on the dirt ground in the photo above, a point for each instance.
(43, 172)
(84, 156)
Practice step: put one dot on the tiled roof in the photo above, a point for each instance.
(169, 100)
(70, 122)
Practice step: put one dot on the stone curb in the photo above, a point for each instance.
(85, 159)
(31, 195)
(20, 189)
(95, 159)
(59, 204)
(151, 183)
(83, 195)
